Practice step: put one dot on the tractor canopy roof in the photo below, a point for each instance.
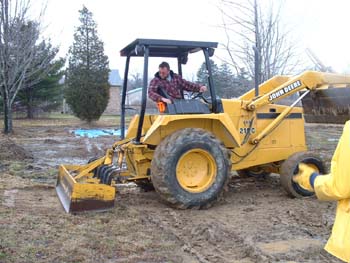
(166, 48)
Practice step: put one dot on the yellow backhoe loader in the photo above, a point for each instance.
(188, 151)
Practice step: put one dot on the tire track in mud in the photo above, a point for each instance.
(213, 240)
(202, 233)
(186, 245)
(160, 222)
(208, 241)
(252, 225)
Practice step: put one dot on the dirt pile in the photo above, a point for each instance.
(10, 151)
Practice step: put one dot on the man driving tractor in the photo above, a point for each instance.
(167, 83)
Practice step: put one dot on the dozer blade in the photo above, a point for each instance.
(327, 106)
(83, 196)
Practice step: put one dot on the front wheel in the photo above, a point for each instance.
(190, 168)
(290, 168)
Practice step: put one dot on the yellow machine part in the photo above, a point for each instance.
(220, 124)
(256, 130)
(85, 194)
(235, 127)
(196, 170)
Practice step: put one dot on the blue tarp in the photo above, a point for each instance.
(93, 133)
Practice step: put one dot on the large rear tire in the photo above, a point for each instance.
(190, 168)
(290, 168)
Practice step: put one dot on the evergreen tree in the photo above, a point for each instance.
(226, 81)
(226, 84)
(32, 93)
(202, 75)
(87, 91)
(223, 79)
(45, 94)
(244, 83)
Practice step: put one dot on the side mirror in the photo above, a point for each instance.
(211, 52)
(184, 59)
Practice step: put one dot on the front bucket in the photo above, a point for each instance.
(327, 106)
(83, 196)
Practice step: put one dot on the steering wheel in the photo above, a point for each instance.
(199, 95)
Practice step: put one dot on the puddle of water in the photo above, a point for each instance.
(285, 246)
(64, 160)
(332, 140)
(93, 133)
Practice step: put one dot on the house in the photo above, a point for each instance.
(132, 100)
(116, 84)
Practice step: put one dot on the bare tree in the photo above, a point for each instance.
(317, 62)
(135, 81)
(248, 27)
(18, 37)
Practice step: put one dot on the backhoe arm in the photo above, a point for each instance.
(308, 80)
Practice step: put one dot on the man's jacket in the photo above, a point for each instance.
(172, 86)
(336, 186)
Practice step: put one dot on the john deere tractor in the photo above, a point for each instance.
(188, 150)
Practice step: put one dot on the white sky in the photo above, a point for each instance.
(322, 25)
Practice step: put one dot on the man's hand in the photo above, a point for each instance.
(167, 101)
(203, 89)
(303, 177)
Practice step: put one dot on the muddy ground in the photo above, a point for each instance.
(256, 222)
